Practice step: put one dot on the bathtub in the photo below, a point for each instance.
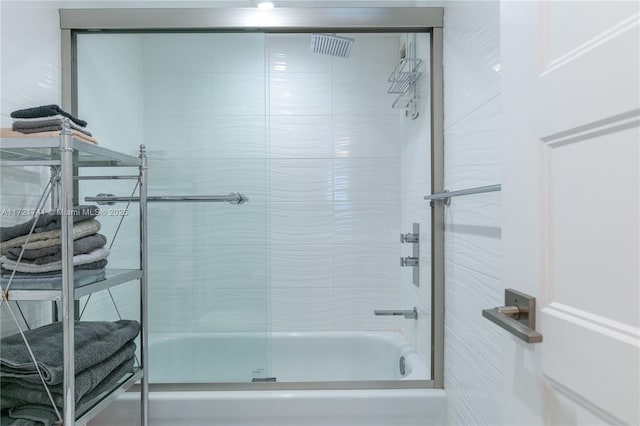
(319, 359)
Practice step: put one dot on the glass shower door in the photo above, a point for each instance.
(198, 103)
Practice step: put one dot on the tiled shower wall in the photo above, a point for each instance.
(473, 251)
(315, 145)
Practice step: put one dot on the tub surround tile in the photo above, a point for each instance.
(291, 53)
(354, 308)
(301, 266)
(299, 137)
(362, 94)
(300, 94)
(367, 136)
(230, 310)
(374, 266)
(295, 309)
(301, 180)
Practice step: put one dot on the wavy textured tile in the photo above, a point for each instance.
(238, 53)
(370, 52)
(230, 310)
(362, 94)
(301, 180)
(300, 94)
(300, 137)
(237, 93)
(472, 149)
(301, 223)
(178, 93)
(354, 308)
(474, 388)
(367, 222)
(238, 136)
(170, 310)
(471, 57)
(367, 136)
(172, 52)
(466, 294)
(306, 309)
(301, 266)
(357, 265)
(367, 180)
(292, 53)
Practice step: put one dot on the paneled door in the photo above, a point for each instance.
(571, 142)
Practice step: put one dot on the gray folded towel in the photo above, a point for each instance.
(47, 222)
(80, 259)
(45, 124)
(15, 392)
(54, 253)
(94, 343)
(46, 111)
(50, 238)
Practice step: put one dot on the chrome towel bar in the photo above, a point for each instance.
(232, 198)
(446, 195)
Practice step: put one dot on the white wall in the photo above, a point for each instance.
(473, 264)
(29, 74)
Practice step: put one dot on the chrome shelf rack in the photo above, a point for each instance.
(65, 155)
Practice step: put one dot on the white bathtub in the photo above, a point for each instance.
(295, 357)
(289, 357)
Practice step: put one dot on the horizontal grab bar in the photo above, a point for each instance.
(408, 314)
(446, 195)
(233, 198)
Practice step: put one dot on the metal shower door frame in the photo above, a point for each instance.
(361, 19)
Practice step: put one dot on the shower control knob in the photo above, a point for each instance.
(409, 261)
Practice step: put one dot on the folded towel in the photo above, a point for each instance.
(46, 111)
(15, 392)
(41, 127)
(80, 259)
(50, 238)
(9, 133)
(54, 253)
(48, 222)
(43, 414)
(95, 342)
(43, 124)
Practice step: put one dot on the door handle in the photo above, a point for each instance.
(518, 316)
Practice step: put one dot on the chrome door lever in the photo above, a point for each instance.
(517, 317)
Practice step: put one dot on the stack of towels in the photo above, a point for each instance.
(46, 121)
(41, 263)
(104, 355)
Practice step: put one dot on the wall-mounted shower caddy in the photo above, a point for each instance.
(404, 78)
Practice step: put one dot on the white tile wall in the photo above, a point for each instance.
(26, 79)
(473, 252)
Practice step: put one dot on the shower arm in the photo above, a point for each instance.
(232, 198)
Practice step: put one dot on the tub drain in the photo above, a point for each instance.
(403, 366)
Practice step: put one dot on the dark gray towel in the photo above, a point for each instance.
(46, 111)
(94, 343)
(54, 253)
(47, 222)
(42, 413)
(15, 392)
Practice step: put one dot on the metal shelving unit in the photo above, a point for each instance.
(65, 155)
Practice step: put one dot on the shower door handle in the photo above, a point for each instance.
(517, 316)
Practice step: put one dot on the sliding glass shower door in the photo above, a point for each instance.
(328, 135)
(198, 103)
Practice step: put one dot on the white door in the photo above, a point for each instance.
(571, 187)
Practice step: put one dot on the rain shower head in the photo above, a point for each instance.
(330, 44)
